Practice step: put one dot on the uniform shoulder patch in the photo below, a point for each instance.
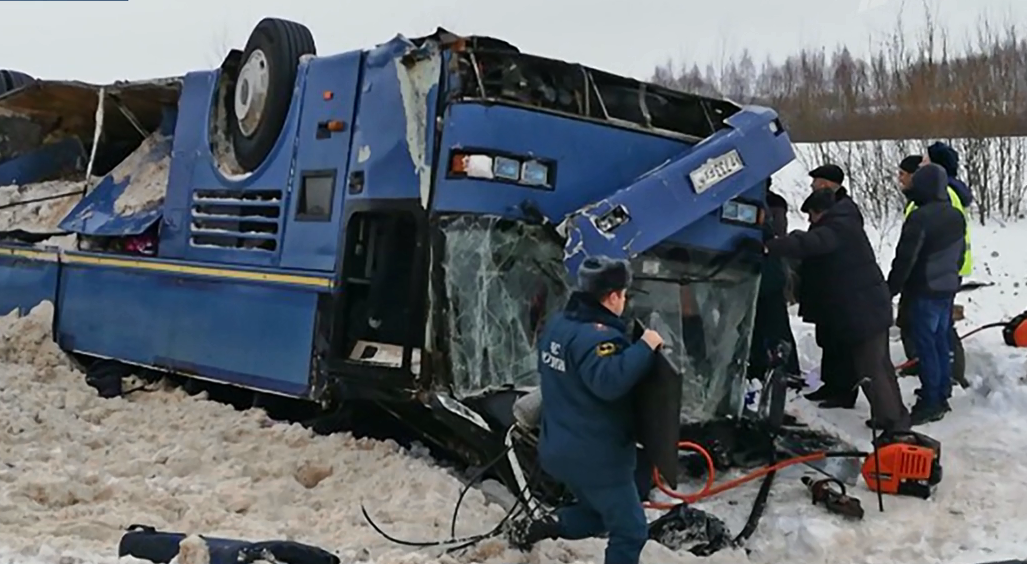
(606, 348)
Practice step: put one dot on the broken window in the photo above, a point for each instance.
(502, 280)
(706, 324)
(505, 74)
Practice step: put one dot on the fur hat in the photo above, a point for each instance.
(600, 275)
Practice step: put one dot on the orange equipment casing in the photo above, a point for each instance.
(906, 469)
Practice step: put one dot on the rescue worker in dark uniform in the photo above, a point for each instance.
(588, 368)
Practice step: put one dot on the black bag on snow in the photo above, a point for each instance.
(147, 543)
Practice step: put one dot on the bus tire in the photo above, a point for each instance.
(264, 86)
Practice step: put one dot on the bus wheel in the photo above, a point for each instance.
(264, 86)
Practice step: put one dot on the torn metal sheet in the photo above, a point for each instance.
(129, 199)
(69, 107)
(418, 73)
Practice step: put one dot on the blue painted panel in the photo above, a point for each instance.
(49, 161)
(394, 125)
(194, 168)
(592, 160)
(313, 243)
(97, 213)
(25, 282)
(661, 204)
(249, 334)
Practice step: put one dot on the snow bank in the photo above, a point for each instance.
(148, 179)
(77, 469)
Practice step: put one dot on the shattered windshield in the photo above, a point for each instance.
(706, 326)
(502, 279)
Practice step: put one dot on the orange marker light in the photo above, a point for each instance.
(336, 126)
(328, 95)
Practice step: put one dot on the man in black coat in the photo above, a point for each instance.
(849, 298)
(836, 363)
(925, 271)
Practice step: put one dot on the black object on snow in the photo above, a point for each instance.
(150, 544)
(691, 529)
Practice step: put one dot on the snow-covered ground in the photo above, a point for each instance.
(76, 469)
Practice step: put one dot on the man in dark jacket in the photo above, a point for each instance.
(907, 168)
(851, 301)
(836, 363)
(925, 271)
(588, 368)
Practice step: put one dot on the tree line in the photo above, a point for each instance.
(866, 113)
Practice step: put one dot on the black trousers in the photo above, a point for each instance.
(838, 368)
(872, 364)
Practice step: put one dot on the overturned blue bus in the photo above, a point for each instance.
(390, 225)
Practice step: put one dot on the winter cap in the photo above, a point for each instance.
(911, 163)
(831, 172)
(819, 201)
(928, 184)
(944, 155)
(600, 275)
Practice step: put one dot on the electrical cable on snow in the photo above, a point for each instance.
(462, 542)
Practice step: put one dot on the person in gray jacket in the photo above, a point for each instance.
(925, 272)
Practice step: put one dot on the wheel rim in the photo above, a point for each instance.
(251, 92)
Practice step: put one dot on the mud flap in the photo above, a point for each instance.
(149, 544)
(657, 403)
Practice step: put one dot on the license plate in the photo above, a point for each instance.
(715, 170)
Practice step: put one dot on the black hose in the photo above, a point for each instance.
(462, 542)
(759, 506)
(467, 487)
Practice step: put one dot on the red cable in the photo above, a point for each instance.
(710, 489)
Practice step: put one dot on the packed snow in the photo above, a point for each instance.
(76, 469)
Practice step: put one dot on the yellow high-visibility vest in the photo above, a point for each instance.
(958, 204)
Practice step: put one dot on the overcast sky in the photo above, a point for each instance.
(100, 41)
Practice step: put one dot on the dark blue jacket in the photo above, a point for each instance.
(931, 247)
(588, 369)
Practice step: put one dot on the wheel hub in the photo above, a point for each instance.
(251, 92)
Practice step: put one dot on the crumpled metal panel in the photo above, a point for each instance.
(129, 199)
(501, 281)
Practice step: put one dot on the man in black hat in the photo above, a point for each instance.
(836, 364)
(588, 368)
(848, 296)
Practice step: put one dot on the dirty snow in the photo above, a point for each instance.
(39, 217)
(147, 178)
(76, 469)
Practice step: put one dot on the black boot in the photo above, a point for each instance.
(822, 393)
(922, 414)
(524, 532)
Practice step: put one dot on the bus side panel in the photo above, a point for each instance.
(244, 333)
(27, 281)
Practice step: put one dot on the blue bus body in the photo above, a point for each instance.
(252, 285)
